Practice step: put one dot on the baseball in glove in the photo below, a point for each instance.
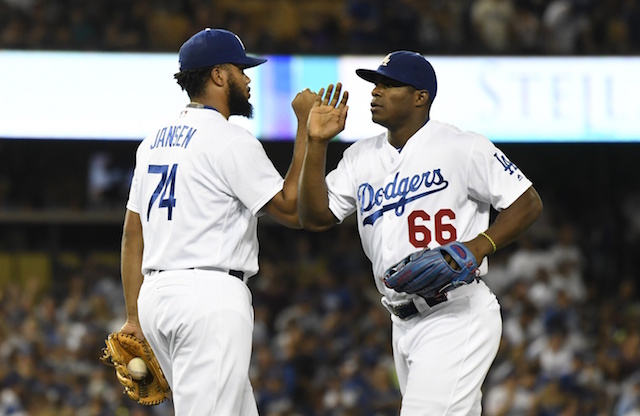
(121, 348)
(428, 274)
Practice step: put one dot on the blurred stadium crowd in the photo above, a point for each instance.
(525, 27)
(322, 339)
(322, 344)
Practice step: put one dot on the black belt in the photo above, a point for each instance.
(237, 273)
(408, 310)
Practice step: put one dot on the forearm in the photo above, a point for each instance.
(290, 187)
(313, 199)
(510, 224)
(326, 119)
(515, 220)
(131, 264)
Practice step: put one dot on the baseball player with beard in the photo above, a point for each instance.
(189, 242)
(424, 184)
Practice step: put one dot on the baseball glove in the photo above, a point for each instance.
(428, 274)
(121, 348)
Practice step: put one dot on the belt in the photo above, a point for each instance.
(236, 273)
(409, 310)
(417, 306)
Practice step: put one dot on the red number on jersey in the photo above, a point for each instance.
(419, 233)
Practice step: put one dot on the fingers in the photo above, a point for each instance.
(454, 265)
(327, 96)
(332, 95)
(345, 97)
(304, 91)
(336, 95)
(343, 107)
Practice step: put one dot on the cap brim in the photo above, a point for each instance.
(374, 76)
(249, 62)
(368, 74)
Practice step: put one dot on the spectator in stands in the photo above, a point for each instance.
(493, 23)
(51, 334)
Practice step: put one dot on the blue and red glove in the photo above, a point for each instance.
(427, 272)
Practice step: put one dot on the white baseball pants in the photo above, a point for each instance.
(443, 356)
(200, 326)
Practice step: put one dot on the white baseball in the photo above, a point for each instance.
(137, 368)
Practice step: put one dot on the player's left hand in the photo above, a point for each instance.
(431, 272)
(329, 114)
(302, 104)
(132, 328)
(119, 350)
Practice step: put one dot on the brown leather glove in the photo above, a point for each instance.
(120, 349)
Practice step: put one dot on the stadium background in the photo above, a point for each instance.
(571, 340)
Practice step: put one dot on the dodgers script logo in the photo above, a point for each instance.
(408, 189)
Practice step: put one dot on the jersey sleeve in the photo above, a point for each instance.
(340, 184)
(493, 178)
(249, 173)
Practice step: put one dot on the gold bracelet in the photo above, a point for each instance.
(493, 244)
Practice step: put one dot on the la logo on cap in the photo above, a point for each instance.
(386, 60)
(240, 40)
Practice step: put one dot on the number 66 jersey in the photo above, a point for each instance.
(198, 186)
(438, 188)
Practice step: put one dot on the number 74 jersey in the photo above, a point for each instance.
(198, 186)
(439, 188)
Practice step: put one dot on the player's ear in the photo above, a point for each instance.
(218, 75)
(422, 98)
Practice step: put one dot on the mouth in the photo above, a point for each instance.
(375, 106)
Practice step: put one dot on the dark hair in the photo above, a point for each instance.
(193, 81)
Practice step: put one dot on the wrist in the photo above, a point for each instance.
(492, 243)
(133, 319)
(317, 140)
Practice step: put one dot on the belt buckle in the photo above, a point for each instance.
(409, 309)
(405, 311)
(437, 299)
(396, 309)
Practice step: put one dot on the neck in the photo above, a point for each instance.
(398, 137)
(195, 104)
(210, 103)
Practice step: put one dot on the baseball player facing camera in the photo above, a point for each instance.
(189, 242)
(422, 193)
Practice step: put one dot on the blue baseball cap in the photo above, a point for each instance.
(211, 47)
(405, 67)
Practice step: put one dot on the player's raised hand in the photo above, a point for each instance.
(302, 104)
(329, 113)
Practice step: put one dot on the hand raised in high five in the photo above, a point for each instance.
(302, 104)
(329, 114)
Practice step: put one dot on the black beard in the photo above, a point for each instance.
(239, 105)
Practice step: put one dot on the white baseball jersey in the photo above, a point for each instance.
(438, 188)
(198, 185)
